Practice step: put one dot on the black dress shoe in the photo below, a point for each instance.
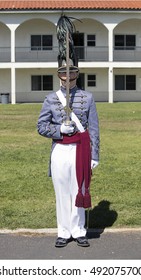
(82, 241)
(61, 242)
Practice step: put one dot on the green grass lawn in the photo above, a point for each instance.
(26, 192)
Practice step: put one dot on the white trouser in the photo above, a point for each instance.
(70, 219)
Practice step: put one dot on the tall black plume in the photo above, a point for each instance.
(65, 25)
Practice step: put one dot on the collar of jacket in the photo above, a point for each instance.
(72, 90)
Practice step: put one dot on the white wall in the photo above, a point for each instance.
(5, 80)
(33, 27)
(91, 26)
(129, 95)
(4, 36)
(23, 84)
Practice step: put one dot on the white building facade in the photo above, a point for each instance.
(108, 43)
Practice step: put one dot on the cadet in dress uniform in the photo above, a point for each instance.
(75, 151)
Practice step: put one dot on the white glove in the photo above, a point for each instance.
(94, 164)
(67, 129)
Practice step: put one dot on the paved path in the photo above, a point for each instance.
(107, 244)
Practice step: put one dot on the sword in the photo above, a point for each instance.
(68, 79)
(67, 109)
(68, 121)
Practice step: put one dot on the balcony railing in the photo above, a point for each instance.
(29, 55)
(83, 53)
(25, 54)
(86, 54)
(5, 54)
(127, 54)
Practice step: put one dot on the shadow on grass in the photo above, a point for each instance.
(99, 218)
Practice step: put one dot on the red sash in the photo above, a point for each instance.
(83, 165)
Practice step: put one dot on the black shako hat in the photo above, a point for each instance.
(65, 25)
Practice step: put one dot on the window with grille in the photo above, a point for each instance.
(125, 82)
(41, 82)
(41, 42)
(125, 42)
(91, 40)
(91, 80)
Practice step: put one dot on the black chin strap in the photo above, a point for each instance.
(70, 80)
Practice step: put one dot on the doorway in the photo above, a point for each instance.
(81, 81)
(78, 39)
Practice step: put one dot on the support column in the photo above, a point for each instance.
(13, 86)
(110, 44)
(110, 27)
(110, 84)
(110, 75)
(12, 28)
(13, 45)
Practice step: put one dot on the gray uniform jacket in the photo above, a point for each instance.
(53, 114)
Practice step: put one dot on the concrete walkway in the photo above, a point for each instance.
(105, 244)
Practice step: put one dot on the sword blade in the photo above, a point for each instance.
(68, 78)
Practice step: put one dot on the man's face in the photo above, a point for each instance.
(72, 78)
